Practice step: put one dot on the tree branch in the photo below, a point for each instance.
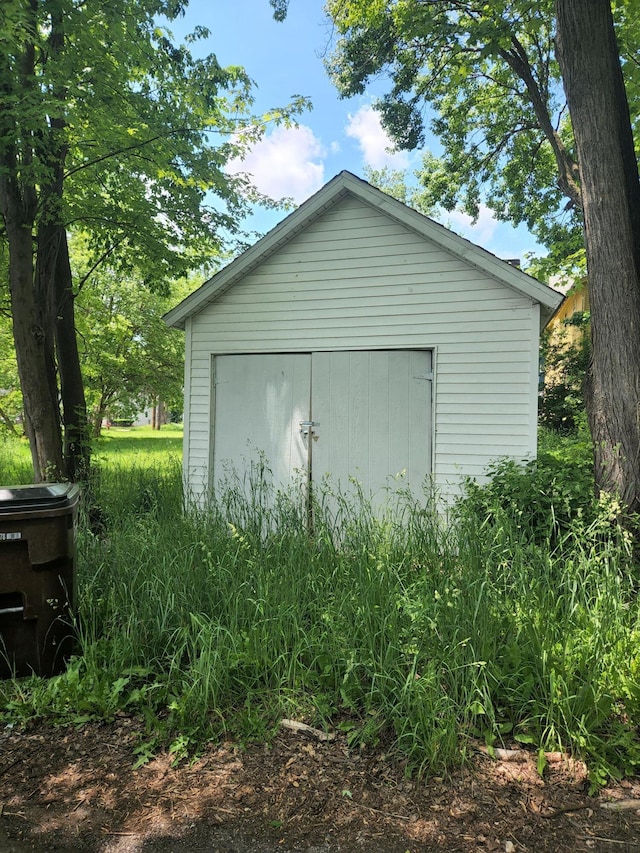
(8, 422)
(568, 174)
(100, 260)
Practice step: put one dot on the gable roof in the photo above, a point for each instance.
(338, 188)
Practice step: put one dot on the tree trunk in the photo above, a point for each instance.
(34, 357)
(9, 424)
(77, 446)
(30, 306)
(55, 274)
(100, 412)
(590, 65)
(97, 418)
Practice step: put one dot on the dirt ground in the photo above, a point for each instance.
(75, 790)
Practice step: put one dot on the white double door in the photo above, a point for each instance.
(360, 414)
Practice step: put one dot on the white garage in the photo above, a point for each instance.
(361, 339)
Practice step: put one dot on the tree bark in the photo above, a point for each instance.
(590, 65)
(31, 191)
(33, 353)
(77, 446)
(99, 415)
(31, 304)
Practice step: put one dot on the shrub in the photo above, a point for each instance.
(538, 499)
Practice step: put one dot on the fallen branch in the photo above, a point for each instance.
(295, 726)
(519, 755)
(381, 812)
(123, 834)
(12, 764)
(621, 805)
(566, 810)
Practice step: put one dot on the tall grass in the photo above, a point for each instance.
(395, 629)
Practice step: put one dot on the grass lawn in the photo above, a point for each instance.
(117, 447)
(139, 444)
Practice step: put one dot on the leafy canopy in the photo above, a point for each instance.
(112, 130)
(485, 79)
(144, 128)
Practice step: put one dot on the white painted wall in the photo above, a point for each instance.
(355, 279)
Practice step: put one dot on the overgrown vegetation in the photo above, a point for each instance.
(517, 620)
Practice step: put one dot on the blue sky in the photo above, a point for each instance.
(286, 59)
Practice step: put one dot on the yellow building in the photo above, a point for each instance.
(576, 301)
(564, 360)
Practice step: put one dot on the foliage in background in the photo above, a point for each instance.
(15, 461)
(130, 358)
(484, 80)
(10, 395)
(565, 361)
(395, 183)
(540, 499)
(516, 622)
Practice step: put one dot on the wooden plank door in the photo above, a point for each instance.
(258, 404)
(373, 410)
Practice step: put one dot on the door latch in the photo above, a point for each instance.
(306, 429)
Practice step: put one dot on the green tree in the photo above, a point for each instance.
(565, 359)
(394, 183)
(10, 396)
(482, 77)
(130, 357)
(107, 126)
(488, 73)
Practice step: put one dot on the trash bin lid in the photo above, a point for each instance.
(36, 497)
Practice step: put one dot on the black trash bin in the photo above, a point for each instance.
(37, 577)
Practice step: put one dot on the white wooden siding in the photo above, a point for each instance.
(355, 279)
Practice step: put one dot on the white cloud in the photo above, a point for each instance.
(500, 238)
(286, 163)
(374, 141)
(482, 233)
